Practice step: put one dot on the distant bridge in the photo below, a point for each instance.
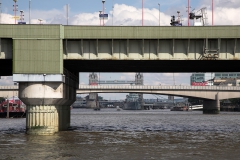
(8, 91)
(204, 92)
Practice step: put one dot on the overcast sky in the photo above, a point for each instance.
(121, 12)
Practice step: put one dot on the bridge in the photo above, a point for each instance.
(210, 94)
(46, 60)
(207, 93)
(49, 48)
(203, 92)
(8, 91)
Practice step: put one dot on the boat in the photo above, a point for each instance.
(118, 109)
(132, 102)
(96, 109)
(180, 108)
(16, 108)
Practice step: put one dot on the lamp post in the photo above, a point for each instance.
(7, 107)
(100, 16)
(29, 11)
(21, 16)
(142, 12)
(103, 1)
(0, 12)
(159, 13)
(188, 12)
(15, 9)
(212, 12)
(112, 11)
(67, 6)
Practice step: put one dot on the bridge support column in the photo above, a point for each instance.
(47, 104)
(46, 120)
(211, 106)
(92, 101)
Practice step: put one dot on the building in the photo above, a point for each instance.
(227, 75)
(227, 79)
(219, 78)
(201, 79)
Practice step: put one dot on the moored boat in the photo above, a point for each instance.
(180, 108)
(14, 106)
(132, 102)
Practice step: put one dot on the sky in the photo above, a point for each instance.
(121, 12)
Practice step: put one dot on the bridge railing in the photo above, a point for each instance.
(153, 87)
(147, 87)
(8, 87)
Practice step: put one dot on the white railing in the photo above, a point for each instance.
(147, 87)
(150, 87)
(8, 87)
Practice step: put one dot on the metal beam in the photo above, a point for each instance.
(173, 45)
(219, 45)
(82, 47)
(235, 47)
(188, 47)
(128, 47)
(0, 47)
(143, 47)
(112, 47)
(97, 47)
(66, 48)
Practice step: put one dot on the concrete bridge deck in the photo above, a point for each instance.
(48, 48)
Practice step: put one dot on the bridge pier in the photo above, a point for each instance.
(47, 104)
(211, 106)
(47, 119)
(92, 101)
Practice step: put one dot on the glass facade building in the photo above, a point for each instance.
(199, 79)
(203, 79)
(227, 75)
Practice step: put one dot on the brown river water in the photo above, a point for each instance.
(128, 135)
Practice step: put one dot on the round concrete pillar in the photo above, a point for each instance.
(48, 106)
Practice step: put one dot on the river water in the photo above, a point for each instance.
(128, 135)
